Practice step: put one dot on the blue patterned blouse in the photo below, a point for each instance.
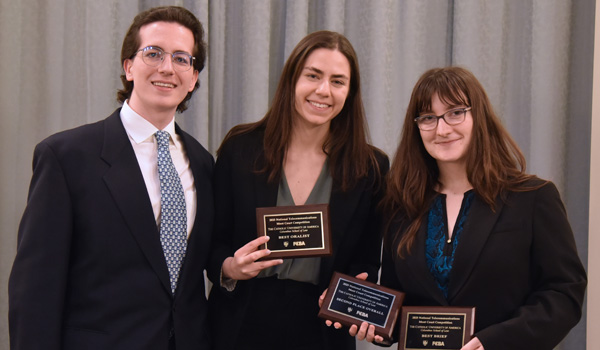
(438, 252)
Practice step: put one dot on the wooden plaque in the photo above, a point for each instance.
(295, 231)
(436, 327)
(350, 300)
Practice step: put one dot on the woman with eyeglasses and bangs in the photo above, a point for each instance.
(468, 227)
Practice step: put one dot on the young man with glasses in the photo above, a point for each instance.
(115, 235)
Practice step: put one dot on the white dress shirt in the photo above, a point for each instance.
(141, 135)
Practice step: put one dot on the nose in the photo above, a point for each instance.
(166, 65)
(323, 88)
(443, 128)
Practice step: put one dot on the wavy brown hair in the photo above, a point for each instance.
(131, 43)
(350, 155)
(495, 164)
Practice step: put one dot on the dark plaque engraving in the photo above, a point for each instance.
(295, 231)
(436, 327)
(351, 301)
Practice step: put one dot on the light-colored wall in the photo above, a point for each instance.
(593, 301)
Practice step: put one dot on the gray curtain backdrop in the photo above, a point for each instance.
(59, 68)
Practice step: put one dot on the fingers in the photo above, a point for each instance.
(322, 297)
(473, 344)
(246, 259)
(362, 276)
(244, 265)
(362, 332)
(261, 265)
(371, 334)
(249, 268)
(366, 332)
(336, 325)
(250, 253)
(253, 245)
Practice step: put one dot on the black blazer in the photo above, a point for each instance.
(90, 272)
(518, 265)
(239, 190)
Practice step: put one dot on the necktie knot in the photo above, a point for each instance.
(162, 138)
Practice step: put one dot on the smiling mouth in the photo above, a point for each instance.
(318, 105)
(167, 85)
(445, 142)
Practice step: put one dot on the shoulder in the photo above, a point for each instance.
(250, 141)
(83, 137)
(383, 160)
(535, 194)
(537, 187)
(380, 163)
(193, 147)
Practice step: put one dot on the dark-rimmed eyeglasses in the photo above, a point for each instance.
(454, 116)
(154, 56)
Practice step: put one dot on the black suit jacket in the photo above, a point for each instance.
(90, 272)
(518, 265)
(239, 190)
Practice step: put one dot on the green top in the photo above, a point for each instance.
(301, 269)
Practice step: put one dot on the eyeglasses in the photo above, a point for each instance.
(452, 117)
(154, 56)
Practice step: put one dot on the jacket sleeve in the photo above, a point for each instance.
(367, 254)
(38, 278)
(558, 282)
(389, 279)
(222, 241)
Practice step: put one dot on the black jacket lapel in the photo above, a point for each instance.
(266, 193)
(418, 266)
(479, 225)
(126, 184)
(202, 228)
(341, 207)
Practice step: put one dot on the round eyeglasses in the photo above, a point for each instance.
(454, 116)
(154, 56)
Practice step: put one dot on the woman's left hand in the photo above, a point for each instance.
(366, 331)
(474, 344)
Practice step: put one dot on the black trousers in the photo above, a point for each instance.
(282, 314)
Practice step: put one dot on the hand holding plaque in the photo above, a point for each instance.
(247, 261)
(351, 301)
(295, 231)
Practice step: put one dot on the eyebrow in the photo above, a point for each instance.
(448, 110)
(176, 51)
(317, 70)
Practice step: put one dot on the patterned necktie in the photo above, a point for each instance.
(173, 222)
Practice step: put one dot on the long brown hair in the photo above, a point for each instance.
(350, 154)
(495, 164)
(131, 43)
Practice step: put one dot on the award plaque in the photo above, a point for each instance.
(295, 231)
(436, 327)
(351, 301)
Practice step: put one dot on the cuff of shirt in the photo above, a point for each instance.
(227, 283)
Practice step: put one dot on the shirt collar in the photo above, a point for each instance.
(139, 129)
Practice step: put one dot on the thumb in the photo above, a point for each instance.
(362, 276)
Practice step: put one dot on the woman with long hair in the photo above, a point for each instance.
(311, 147)
(469, 227)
